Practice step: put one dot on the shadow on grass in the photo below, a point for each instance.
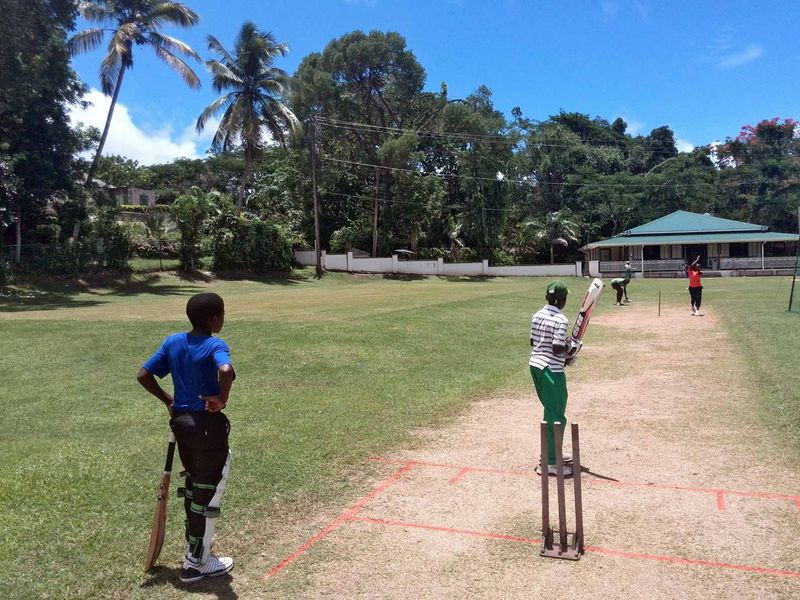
(268, 278)
(405, 277)
(54, 294)
(448, 278)
(466, 278)
(217, 586)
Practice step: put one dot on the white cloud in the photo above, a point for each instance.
(609, 8)
(683, 145)
(129, 140)
(634, 127)
(743, 57)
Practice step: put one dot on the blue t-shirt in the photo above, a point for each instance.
(193, 362)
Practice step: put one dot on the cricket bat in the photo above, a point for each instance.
(160, 514)
(574, 344)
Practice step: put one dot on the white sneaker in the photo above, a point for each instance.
(552, 471)
(214, 567)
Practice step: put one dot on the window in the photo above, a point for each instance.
(738, 250)
(652, 252)
(143, 199)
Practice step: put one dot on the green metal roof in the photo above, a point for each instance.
(682, 221)
(683, 227)
(693, 238)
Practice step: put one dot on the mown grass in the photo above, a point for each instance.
(328, 372)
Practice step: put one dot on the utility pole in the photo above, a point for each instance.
(317, 243)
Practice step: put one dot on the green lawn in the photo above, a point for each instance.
(329, 372)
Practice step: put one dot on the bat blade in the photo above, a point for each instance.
(585, 311)
(159, 525)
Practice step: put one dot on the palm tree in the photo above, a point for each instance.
(253, 97)
(132, 22)
(555, 228)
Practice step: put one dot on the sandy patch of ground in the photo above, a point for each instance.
(687, 494)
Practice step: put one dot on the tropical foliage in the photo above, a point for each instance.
(253, 102)
(134, 23)
(399, 165)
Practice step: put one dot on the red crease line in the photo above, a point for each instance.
(459, 475)
(594, 549)
(661, 486)
(481, 534)
(720, 501)
(688, 561)
(342, 518)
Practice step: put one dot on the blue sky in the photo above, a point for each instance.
(703, 68)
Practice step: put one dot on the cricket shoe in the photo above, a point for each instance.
(566, 458)
(215, 566)
(553, 471)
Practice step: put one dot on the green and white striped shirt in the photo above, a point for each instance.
(548, 327)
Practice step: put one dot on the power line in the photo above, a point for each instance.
(531, 183)
(406, 202)
(467, 137)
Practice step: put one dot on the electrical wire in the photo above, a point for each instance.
(466, 137)
(531, 183)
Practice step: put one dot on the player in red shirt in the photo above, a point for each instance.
(695, 287)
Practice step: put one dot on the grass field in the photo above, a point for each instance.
(328, 372)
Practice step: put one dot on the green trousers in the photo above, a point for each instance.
(552, 391)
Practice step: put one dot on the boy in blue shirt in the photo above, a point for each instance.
(200, 365)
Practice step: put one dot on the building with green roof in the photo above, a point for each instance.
(660, 247)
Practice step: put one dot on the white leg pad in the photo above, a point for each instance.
(211, 522)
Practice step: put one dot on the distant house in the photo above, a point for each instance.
(660, 247)
(132, 195)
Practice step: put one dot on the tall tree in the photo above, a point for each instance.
(37, 145)
(372, 80)
(133, 22)
(254, 98)
(558, 228)
(759, 173)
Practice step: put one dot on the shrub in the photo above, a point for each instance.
(114, 241)
(190, 212)
(354, 235)
(143, 209)
(433, 253)
(255, 245)
(501, 258)
(72, 258)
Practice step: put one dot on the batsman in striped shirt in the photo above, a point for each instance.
(547, 362)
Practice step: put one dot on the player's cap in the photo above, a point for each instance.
(557, 290)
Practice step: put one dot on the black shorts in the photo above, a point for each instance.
(202, 443)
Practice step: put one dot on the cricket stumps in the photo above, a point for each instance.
(566, 548)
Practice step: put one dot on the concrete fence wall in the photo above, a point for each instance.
(570, 270)
(346, 262)
(369, 265)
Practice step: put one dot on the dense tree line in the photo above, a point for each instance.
(397, 166)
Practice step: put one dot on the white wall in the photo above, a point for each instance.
(369, 265)
(418, 267)
(570, 270)
(346, 262)
(307, 257)
(463, 269)
(335, 262)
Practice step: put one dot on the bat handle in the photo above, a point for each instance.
(170, 453)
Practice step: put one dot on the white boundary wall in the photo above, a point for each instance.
(346, 262)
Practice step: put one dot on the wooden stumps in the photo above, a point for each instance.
(567, 549)
(547, 532)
